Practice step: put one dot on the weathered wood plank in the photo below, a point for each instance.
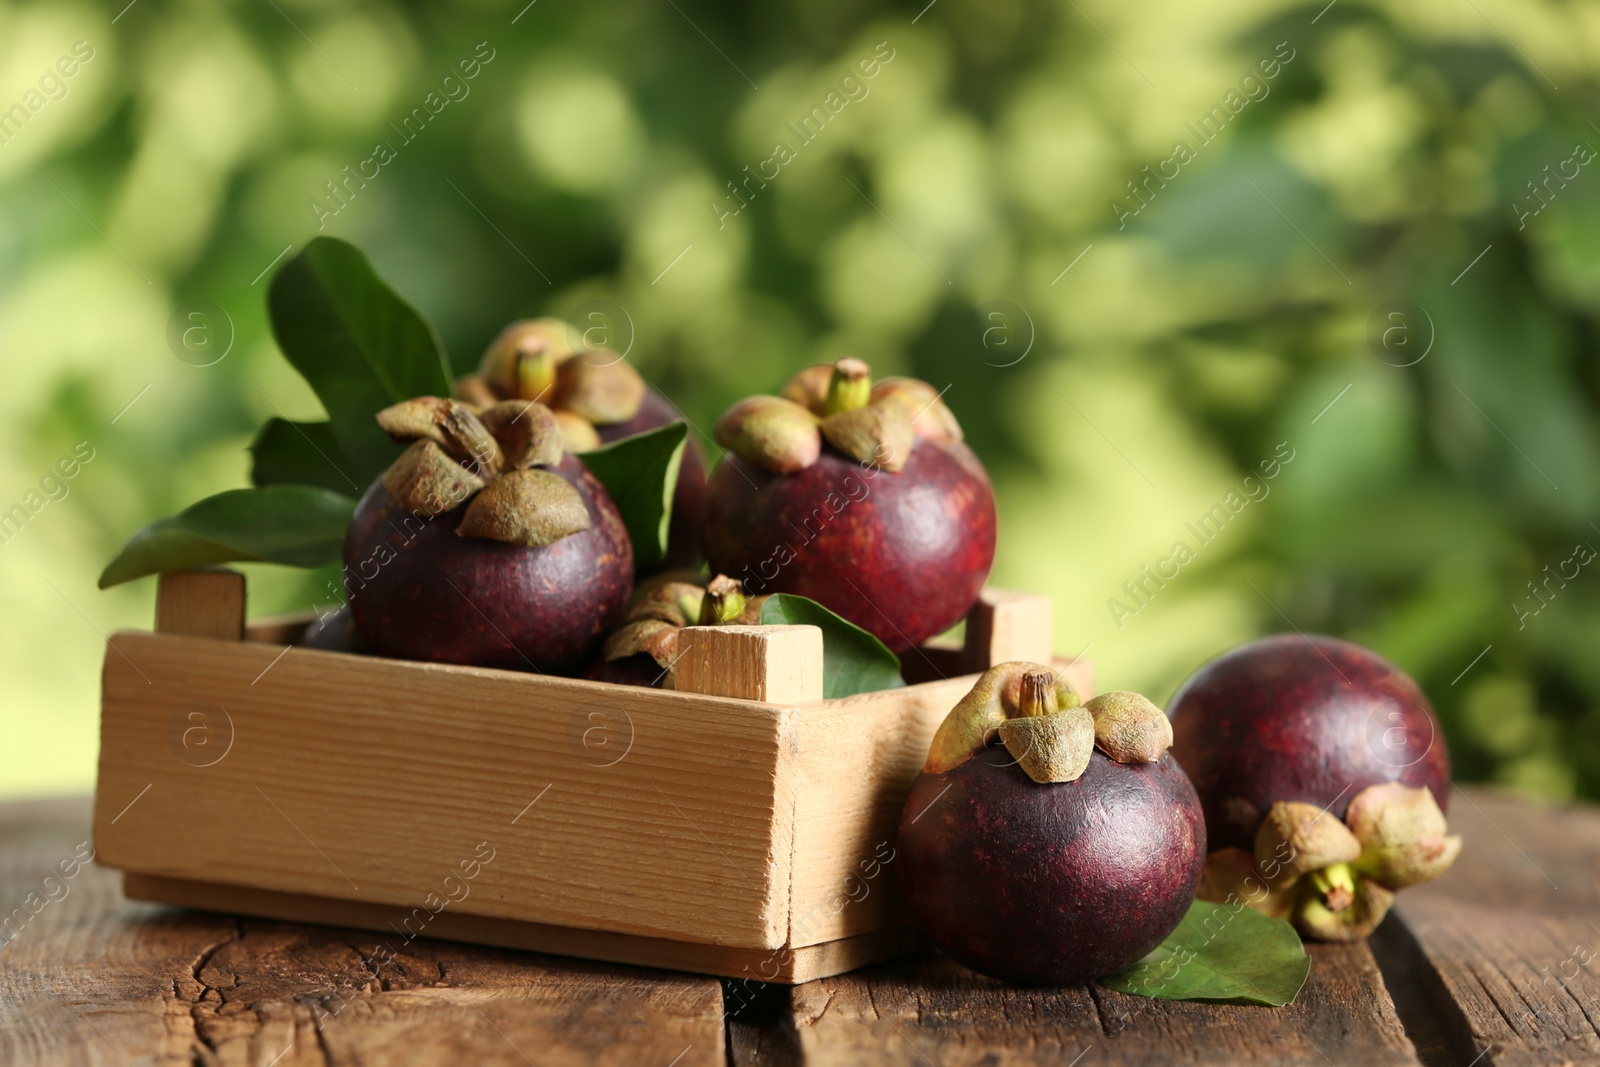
(1503, 952)
(1496, 961)
(934, 1011)
(92, 979)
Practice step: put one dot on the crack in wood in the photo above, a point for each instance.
(1437, 1028)
(760, 1026)
(1099, 1010)
(200, 1011)
(321, 1039)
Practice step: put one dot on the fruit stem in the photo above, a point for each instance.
(849, 388)
(534, 369)
(723, 603)
(1038, 694)
(1337, 884)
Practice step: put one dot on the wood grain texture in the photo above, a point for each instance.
(87, 977)
(360, 778)
(932, 1010)
(201, 604)
(1503, 951)
(854, 760)
(773, 664)
(782, 965)
(95, 980)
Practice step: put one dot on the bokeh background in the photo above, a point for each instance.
(1119, 372)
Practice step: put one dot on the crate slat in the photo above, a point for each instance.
(369, 779)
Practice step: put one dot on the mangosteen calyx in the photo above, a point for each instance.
(653, 624)
(1129, 728)
(585, 386)
(1335, 879)
(1046, 726)
(492, 458)
(874, 424)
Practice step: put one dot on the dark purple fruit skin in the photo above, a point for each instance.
(1051, 884)
(1314, 719)
(903, 556)
(334, 632)
(454, 599)
(688, 496)
(640, 670)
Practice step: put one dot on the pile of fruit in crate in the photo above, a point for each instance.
(550, 511)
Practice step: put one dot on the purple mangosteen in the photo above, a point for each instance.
(1324, 777)
(1046, 841)
(485, 543)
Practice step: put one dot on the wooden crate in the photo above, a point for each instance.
(739, 825)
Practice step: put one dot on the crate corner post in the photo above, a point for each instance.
(778, 665)
(201, 603)
(1005, 626)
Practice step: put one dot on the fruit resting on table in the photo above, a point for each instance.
(1048, 841)
(1324, 778)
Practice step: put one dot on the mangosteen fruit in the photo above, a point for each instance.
(861, 496)
(1324, 777)
(485, 543)
(644, 649)
(1050, 841)
(597, 398)
(333, 632)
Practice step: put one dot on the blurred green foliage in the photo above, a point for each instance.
(927, 223)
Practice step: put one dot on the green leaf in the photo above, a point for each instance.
(1219, 953)
(357, 342)
(301, 453)
(293, 524)
(640, 473)
(853, 661)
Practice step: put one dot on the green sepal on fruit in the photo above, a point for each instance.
(873, 424)
(1046, 726)
(1336, 879)
(598, 400)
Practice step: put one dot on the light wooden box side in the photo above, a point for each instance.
(370, 779)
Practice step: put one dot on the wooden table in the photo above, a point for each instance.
(1494, 964)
